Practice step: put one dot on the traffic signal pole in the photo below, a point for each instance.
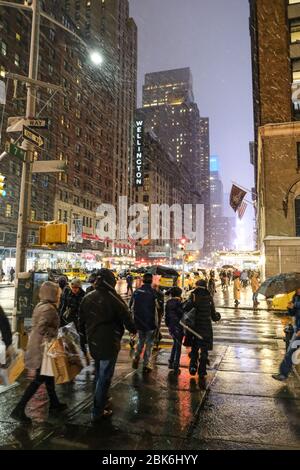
(25, 188)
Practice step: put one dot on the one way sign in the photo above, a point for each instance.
(33, 137)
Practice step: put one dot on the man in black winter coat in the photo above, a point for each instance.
(144, 304)
(203, 302)
(102, 317)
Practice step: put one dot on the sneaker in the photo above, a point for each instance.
(171, 365)
(279, 377)
(147, 368)
(58, 407)
(193, 371)
(20, 415)
(135, 363)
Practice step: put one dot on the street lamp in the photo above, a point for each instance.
(33, 6)
(96, 57)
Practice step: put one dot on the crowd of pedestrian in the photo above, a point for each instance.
(101, 315)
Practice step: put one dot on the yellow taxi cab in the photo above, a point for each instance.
(164, 276)
(76, 272)
(281, 301)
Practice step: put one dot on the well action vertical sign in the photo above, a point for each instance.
(138, 166)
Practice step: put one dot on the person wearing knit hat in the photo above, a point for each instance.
(70, 302)
(205, 313)
(102, 318)
(45, 324)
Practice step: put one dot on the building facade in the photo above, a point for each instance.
(90, 121)
(222, 227)
(170, 111)
(163, 184)
(276, 55)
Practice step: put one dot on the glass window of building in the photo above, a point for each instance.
(3, 47)
(8, 210)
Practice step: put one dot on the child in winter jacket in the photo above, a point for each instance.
(174, 313)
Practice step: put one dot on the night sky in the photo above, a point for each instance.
(212, 38)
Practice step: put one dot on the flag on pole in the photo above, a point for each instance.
(242, 210)
(236, 197)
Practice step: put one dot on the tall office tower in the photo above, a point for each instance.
(216, 188)
(170, 111)
(117, 33)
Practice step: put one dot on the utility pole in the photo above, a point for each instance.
(25, 188)
(32, 83)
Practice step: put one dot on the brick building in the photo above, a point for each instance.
(90, 121)
(275, 39)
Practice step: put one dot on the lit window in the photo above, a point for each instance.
(8, 210)
(2, 71)
(3, 48)
(33, 215)
(17, 60)
(18, 37)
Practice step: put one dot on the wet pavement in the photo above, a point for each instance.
(242, 407)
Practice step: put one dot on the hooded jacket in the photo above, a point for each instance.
(102, 317)
(174, 313)
(45, 324)
(205, 313)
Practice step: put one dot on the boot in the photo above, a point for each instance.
(18, 413)
(58, 406)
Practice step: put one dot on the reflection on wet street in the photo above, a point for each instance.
(244, 409)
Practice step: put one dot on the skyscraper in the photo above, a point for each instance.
(90, 122)
(170, 111)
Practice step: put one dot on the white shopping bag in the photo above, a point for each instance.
(2, 353)
(46, 368)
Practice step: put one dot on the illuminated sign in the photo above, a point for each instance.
(138, 155)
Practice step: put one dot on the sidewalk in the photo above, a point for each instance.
(242, 407)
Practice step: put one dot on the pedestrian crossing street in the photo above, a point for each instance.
(245, 327)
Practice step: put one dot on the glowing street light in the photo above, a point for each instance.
(96, 58)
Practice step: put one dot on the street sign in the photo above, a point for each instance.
(41, 123)
(13, 149)
(16, 123)
(49, 166)
(33, 137)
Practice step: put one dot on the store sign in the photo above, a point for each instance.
(158, 254)
(138, 154)
(78, 231)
